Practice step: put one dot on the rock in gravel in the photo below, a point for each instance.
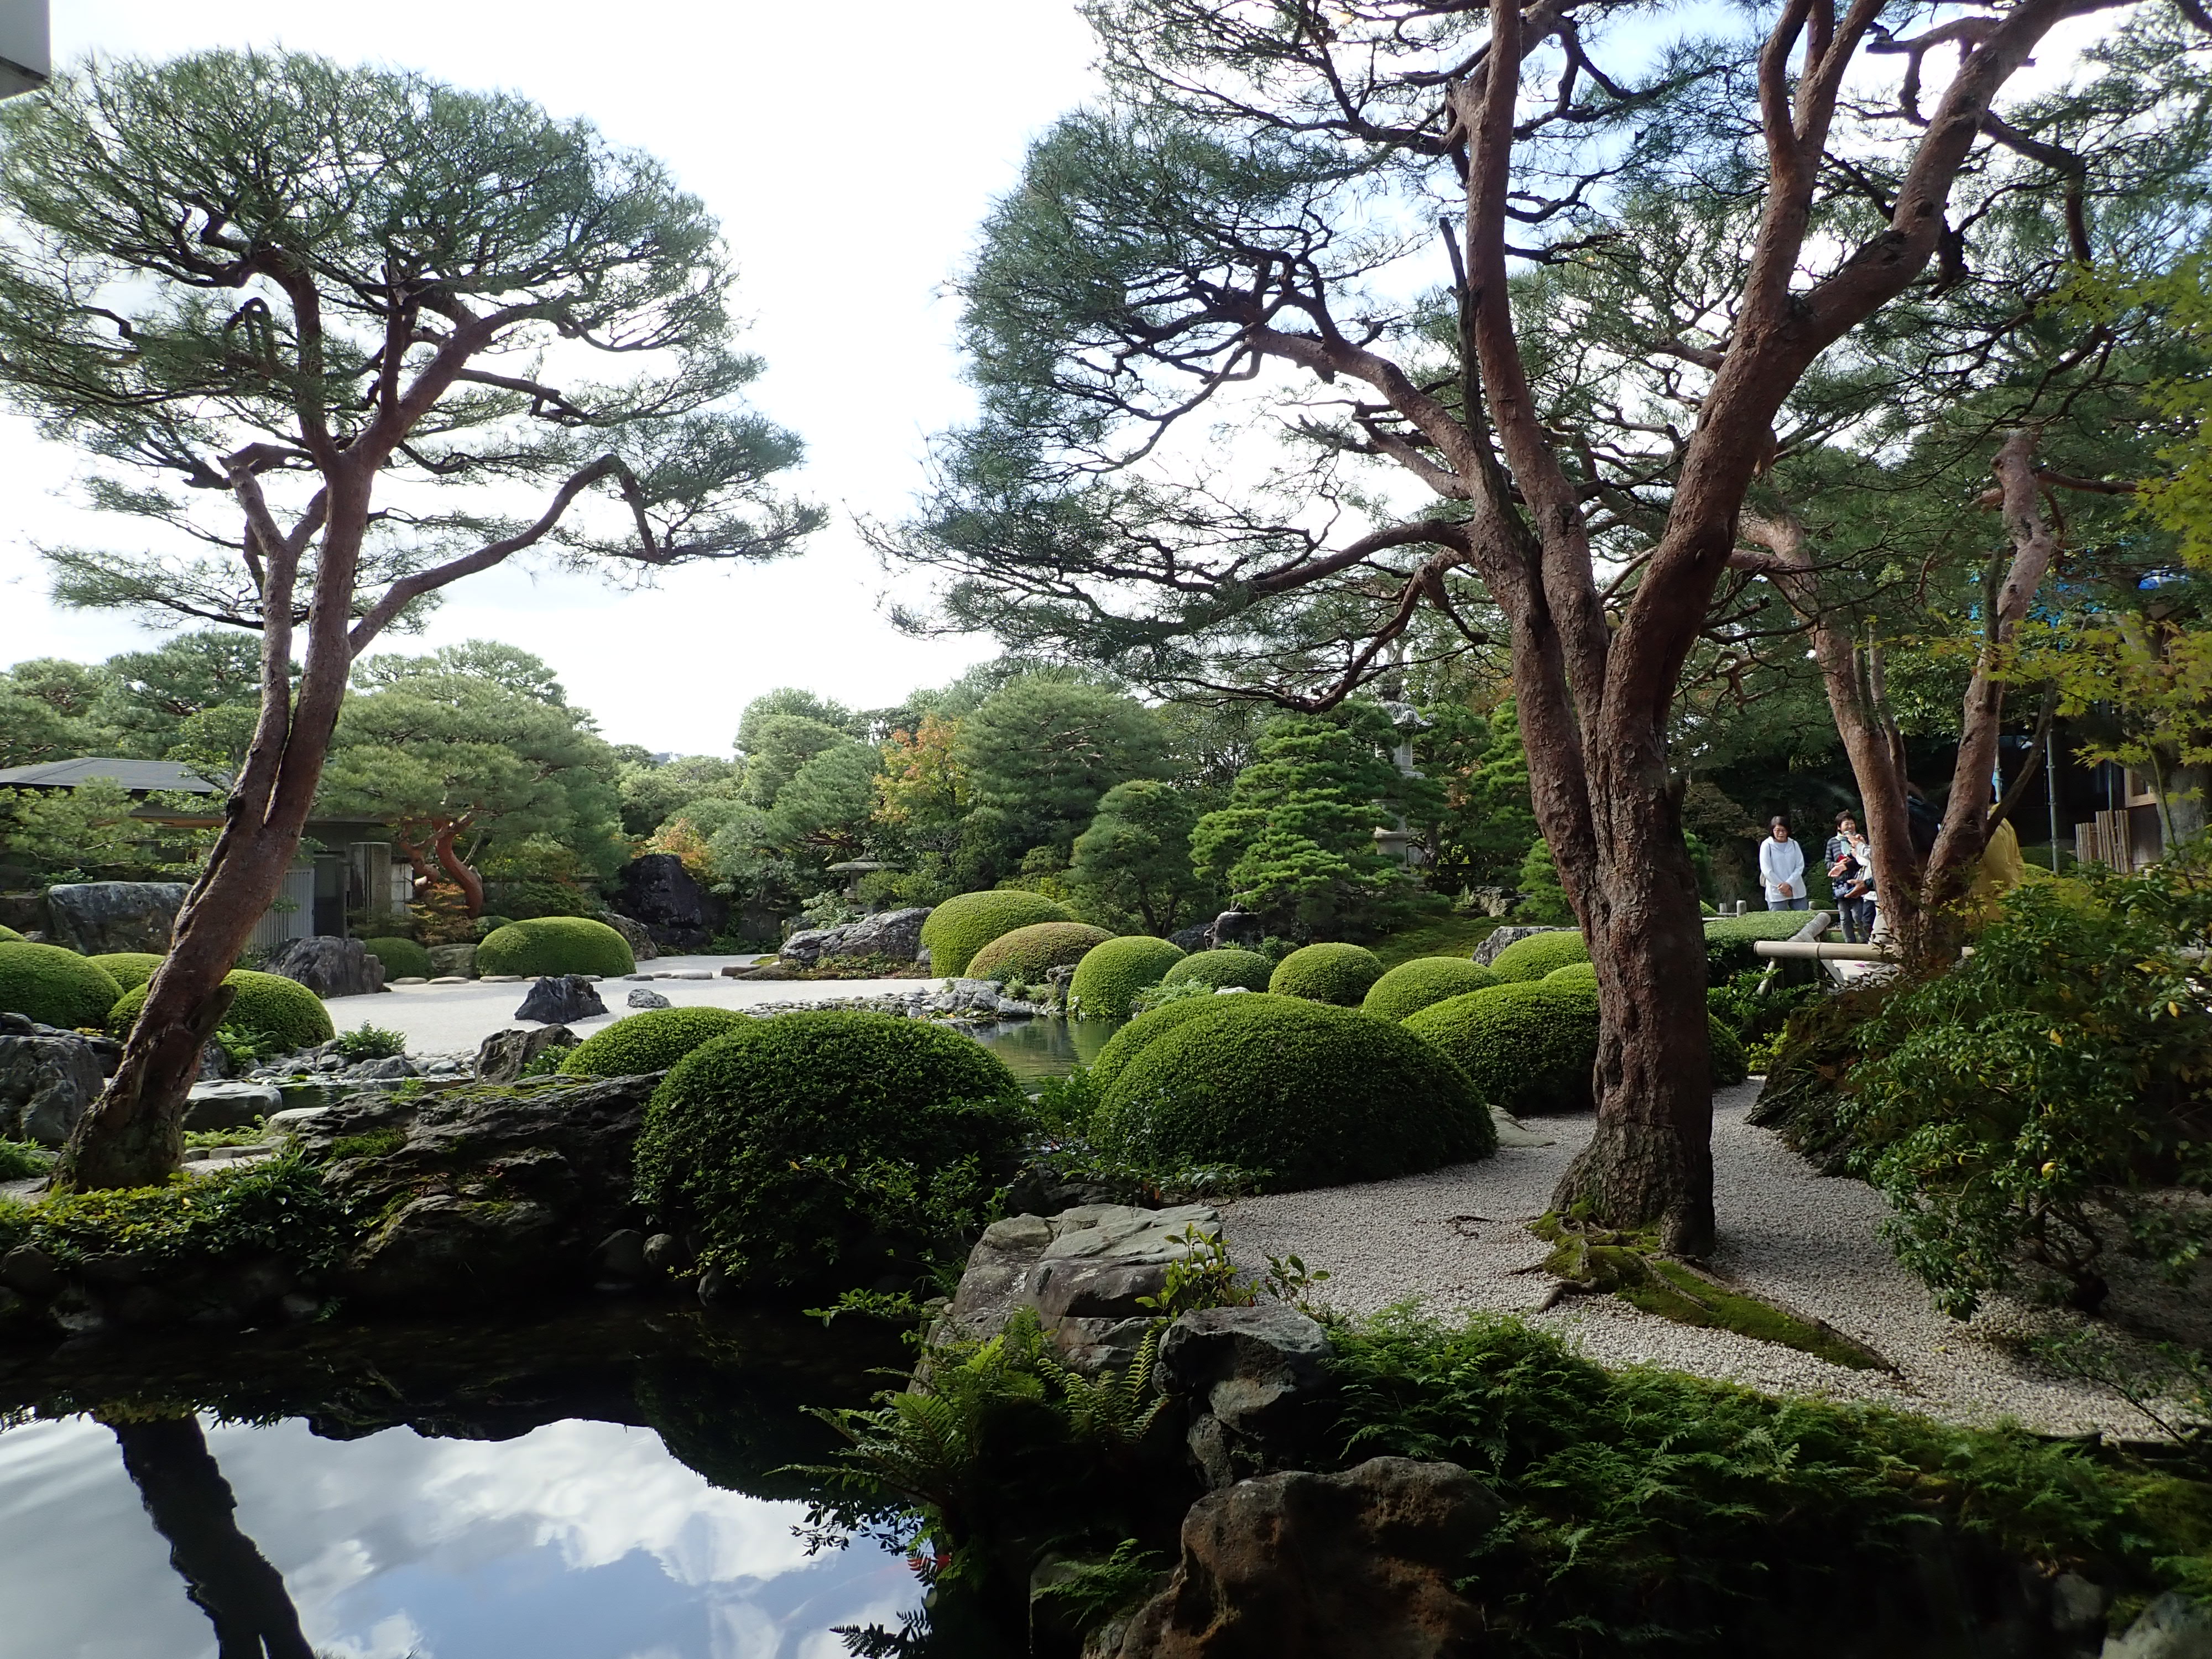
(559, 998)
(452, 961)
(504, 1055)
(1320, 1566)
(327, 966)
(1081, 1272)
(1487, 951)
(636, 934)
(680, 915)
(96, 917)
(648, 999)
(230, 1105)
(47, 1078)
(887, 933)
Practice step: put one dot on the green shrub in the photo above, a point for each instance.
(403, 958)
(1728, 1066)
(1729, 940)
(830, 1147)
(1337, 974)
(1125, 1044)
(279, 1015)
(1802, 1100)
(1539, 954)
(554, 944)
(129, 968)
(1111, 974)
(1527, 1046)
(1307, 1094)
(22, 1159)
(2027, 1104)
(1247, 969)
(1025, 955)
(1575, 973)
(484, 926)
(55, 987)
(10, 936)
(367, 1042)
(1756, 1005)
(279, 1209)
(956, 929)
(650, 1041)
(1412, 986)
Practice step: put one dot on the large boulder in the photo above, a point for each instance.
(639, 937)
(1487, 951)
(327, 966)
(1324, 1566)
(560, 998)
(1081, 1272)
(895, 934)
(230, 1105)
(679, 914)
(1255, 1379)
(95, 917)
(505, 1055)
(453, 962)
(1236, 930)
(47, 1078)
(481, 1193)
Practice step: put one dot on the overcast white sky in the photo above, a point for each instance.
(849, 151)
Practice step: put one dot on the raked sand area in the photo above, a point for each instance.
(1456, 1240)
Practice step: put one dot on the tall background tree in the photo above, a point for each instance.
(336, 328)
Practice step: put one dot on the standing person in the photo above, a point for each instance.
(1850, 873)
(1782, 867)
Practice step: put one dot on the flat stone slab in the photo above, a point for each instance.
(417, 979)
(501, 979)
(230, 1105)
(442, 978)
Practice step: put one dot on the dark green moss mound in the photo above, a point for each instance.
(1311, 1095)
(129, 968)
(1729, 940)
(1111, 974)
(1539, 954)
(554, 944)
(1246, 970)
(281, 1015)
(403, 958)
(1337, 974)
(1527, 1047)
(651, 1041)
(1028, 954)
(1412, 986)
(956, 929)
(53, 986)
(828, 1148)
(1125, 1044)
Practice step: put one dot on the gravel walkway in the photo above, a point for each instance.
(1455, 1239)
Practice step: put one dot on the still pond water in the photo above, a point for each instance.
(602, 1485)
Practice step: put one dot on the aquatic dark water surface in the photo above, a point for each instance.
(1034, 1049)
(600, 1487)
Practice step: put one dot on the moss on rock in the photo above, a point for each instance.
(554, 944)
(281, 1015)
(1309, 1094)
(1028, 954)
(1412, 986)
(650, 1041)
(55, 987)
(1337, 974)
(1111, 974)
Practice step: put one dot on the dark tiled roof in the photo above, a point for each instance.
(132, 775)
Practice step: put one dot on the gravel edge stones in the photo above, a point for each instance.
(1455, 1240)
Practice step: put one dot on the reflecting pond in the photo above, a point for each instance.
(597, 1486)
(1037, 1048)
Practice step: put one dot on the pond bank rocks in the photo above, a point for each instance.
(47, 1078)
(887, 934)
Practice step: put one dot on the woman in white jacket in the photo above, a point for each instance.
(1782, 868)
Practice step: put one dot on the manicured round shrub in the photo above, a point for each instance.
(554, 944)
(281, 1015)
(1340, 974)
(1412, 986)
(650, 1041)
(53, 986)
(1539, 954)
(1027, 954)
(1527, 1046)
(1575, 973)
(403, 958)
(1312, 1094)
(1125, 1044)
(128, 969)
(830, 1147)
(1247, 969)
(10, 936)
(1111, 974)
(956, 929)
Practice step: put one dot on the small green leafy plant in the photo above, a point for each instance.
(22, 1159)
(367, 1042)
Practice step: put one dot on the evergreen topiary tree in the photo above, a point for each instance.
(1525, 1048)
(652, 1040)
(1133, 864)
(1340, 974)
(1110, 974)
(129, 968)
(1247, 970)
(1028, 954)
(281, 1015)
(1412, 986)
(403, 958)
(956, 929)
(1539, 954)
(554, 944)
(55, 987)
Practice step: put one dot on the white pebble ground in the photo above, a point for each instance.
(1456, 1240)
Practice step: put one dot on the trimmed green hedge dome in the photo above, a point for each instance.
(53, 986)
(1729, 940)
(1337, 974)
(1412, 986)
(403, 958)
(1029, 953)
(128, 969)
(828, 1147)
(1313, 1094)
(1575, 973)
(1125, 1044)
(10, 936)
(554, 944)
(1527, 1046)
(1539, 954)
(956, 929)
(1246, 969)
(281, 1015)
(1112, 973)
(650, 1041)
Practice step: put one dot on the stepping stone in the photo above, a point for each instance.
(414, 979)
(646, 977)
(442, 978)
(501, 979)
(693, 973)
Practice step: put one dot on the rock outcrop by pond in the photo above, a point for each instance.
(47, 1078)
(892, 933)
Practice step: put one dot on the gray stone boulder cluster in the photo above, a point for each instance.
(1488, 951)
(96, 917)
(48, 1077)
(504, 1056)
(328, 966)
(895, 934)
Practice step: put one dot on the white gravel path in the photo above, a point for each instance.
(1456, 1239)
